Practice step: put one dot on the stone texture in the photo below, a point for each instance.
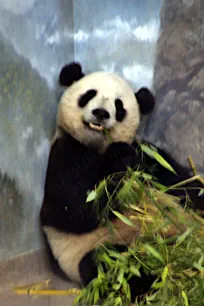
(178, 121)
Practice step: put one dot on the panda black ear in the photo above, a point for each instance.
(145, 100)
(70, 73)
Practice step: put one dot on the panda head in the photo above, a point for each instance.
(98, 105)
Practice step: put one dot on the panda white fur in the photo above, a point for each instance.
(81, 156)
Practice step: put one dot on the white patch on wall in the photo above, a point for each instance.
(138, 74)
(108, 67)
(120, 29)
(17, 6)
(42, 149)
(148, 32)
(53, 39)
(79, 36)
(27, 133)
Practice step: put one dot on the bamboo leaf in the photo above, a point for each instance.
(201, 192)
(135, 271)
(183, 236)
(91, 196)
(153, 154)
(158, 285)
(154, 252)
(159, 186)
(152, 297)
(122, 218)
(100, 190)
(185, 298)
(146, 176)
(96, 295)
(164, 274)
(120, 276)
(126, 289)
(138, 209)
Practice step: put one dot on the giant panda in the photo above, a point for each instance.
(81, 156)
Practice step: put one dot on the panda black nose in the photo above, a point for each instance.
(100, 113)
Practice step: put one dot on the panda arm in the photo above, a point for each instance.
(117, 158)
(71, 173)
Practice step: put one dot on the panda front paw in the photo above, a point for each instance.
(119, 156)
(120, 149)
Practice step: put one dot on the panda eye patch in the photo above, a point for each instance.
(120, 111)
(85, 98)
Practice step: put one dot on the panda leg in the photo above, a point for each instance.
(87, 268)
(74, 251)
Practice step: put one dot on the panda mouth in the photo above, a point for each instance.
(94, 126)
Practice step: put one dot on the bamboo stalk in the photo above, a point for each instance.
(50, 292)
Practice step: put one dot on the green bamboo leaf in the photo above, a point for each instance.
(135, 271)
(201, 192)
(116, 286)
(119, 280)
(154, 154)
(146, 176)
(152, 297)
(101, 274)
(138, 209)
(164, 274)
(149, 151)
(154, 252)
(116, 255)
(96, 296)
(120, 276)
(185, 298)
(118, 301)
(157, 285)
(163, 162)
(91, 196)
(159, 186)
(126, 289)
(122, 218)
(105, 258)
(199, 265)
(183, 236)
(100, 190)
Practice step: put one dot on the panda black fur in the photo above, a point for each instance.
(81, 156)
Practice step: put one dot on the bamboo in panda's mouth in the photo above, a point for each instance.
(96, 126)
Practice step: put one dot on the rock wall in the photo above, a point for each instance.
(178, 121)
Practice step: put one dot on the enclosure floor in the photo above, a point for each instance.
(11, 300)
(29, 269)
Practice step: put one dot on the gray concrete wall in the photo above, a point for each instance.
(36, 39)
